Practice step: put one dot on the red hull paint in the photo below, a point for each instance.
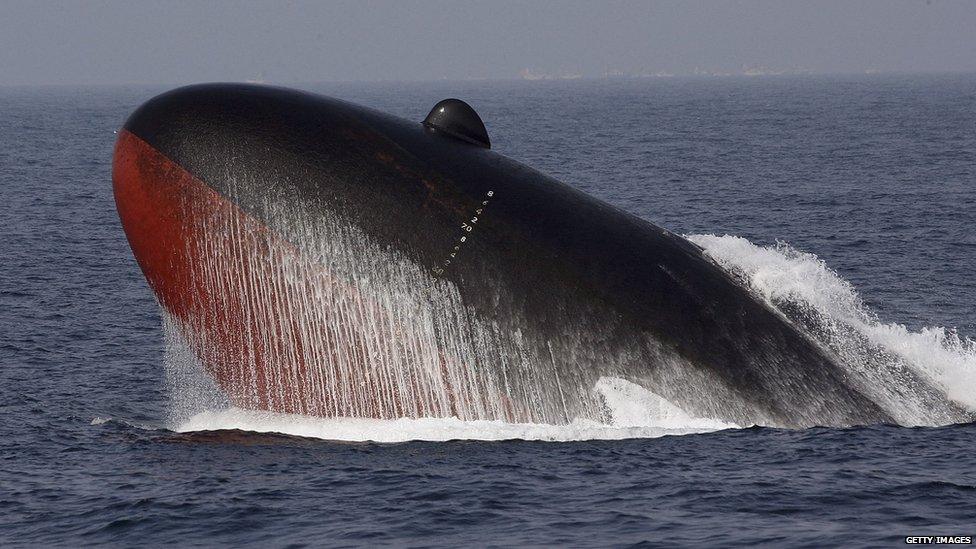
(168, 216)
(252, 340)
(164, 212)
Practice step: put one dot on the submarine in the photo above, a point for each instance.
(327, 259)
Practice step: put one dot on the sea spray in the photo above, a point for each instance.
(190, 388)
(893, 365)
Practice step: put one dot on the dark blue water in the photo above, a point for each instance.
(875, 175)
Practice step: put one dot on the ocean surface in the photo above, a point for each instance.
(854, 195)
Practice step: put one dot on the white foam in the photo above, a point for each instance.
(781, 273)
(429, 429)
(636, 413)
(631, 405)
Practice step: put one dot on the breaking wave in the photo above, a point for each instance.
(886, 361)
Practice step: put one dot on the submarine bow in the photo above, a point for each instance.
(327, 259)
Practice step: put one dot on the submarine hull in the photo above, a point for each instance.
(323, 258)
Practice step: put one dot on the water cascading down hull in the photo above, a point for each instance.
(323, 258)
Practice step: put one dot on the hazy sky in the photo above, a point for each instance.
(89, 42)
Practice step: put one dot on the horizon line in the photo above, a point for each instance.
(546, 79)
